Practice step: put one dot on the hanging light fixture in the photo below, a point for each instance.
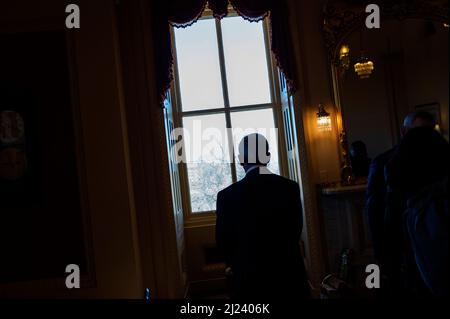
(363, 67)
(323, 119)
(344, 57)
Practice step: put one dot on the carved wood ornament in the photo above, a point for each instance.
(342, 17)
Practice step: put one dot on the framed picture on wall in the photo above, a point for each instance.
(432, 108)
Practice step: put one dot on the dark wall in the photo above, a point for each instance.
(40, 212)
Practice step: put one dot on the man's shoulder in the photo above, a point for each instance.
(229, 189)
(282, 185)
(383, 158)
(286, 181)
(280, 181)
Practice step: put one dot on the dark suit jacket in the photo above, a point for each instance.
(420, 161)
(259, 223)
(376, 200)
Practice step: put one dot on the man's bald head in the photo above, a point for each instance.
(254, 150)
(418, 119)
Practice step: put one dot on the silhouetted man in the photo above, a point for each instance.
(421, 161)
(359, 159)
(388, 245)
(259, 223)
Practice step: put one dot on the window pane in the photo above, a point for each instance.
(208, 158)
(257, 121)
(246, 62)
(198, 66)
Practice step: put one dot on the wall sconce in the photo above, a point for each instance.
(364, 67)
(323, 119)
(344, 56)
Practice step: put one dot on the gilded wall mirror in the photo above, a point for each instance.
(381, 75)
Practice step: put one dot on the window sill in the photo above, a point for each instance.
(200, 220)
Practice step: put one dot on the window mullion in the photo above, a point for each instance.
(226, 99)
(223, 72)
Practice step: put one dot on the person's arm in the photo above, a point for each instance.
(375, 203)
(220, 227)
(223, 230)
(296, 214)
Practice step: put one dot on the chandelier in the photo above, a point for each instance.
(364, 67)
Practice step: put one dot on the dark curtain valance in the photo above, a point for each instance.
(183, 13)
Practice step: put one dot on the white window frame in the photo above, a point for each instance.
(201, 218)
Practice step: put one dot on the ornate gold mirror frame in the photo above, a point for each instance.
(341, 18)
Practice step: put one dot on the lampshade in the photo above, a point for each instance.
(323, 119)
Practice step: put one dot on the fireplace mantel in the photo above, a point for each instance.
(344, 189)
